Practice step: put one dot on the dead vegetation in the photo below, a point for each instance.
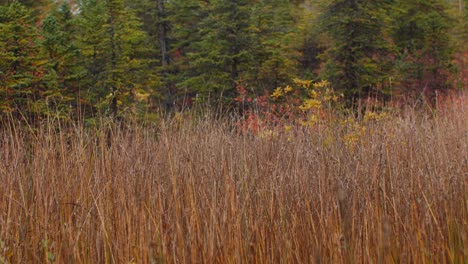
(193, 190)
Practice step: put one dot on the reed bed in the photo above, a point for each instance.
(194, 190)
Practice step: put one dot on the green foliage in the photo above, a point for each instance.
(357, 60)
(217, 45)
(60, 48)
(311, 42)
(225, 51)
(422, 35)
(184, 18)
(111, 44)
(119, 57)
(276, 27)
(21, 67)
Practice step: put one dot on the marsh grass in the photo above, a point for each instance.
(193, 190)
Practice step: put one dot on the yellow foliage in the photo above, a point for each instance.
(310, 104)
(303, 83)
(313, 94)
(322, 84)
(372, 116)
(142, 96)
(354, 135)
(277, 93)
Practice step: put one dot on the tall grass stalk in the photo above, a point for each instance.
(192, 190)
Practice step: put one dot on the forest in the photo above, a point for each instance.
(233, 131)
(115, 57)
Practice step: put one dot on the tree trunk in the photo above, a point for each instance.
(114, 89)
(163, 41)
(164, 49)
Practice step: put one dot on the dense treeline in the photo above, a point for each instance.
(117, 56)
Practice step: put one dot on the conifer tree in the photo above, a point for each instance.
(157, 24)
(276, 24)
(226, 50)
(356, 62)
(34, 7)
(59, 46)
(422, 35)
(183, 18)
(21, 67)
(112, 45)
(312, 42)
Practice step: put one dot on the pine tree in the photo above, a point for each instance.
(21, 67)
(59, 46)
(183, 18)
(225, 51)
(422, 35)
(154, 15)
(112, 41)
(276, 24)
(35, 7)
(460, 33)
(312, 42)
(356, 62)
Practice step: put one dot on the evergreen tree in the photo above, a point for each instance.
(183, 18)
(356, 62)
(156, 25)
(118, 55)
(312, 42)
(35, 7)
(276, 23)
(225, 52)
(111, 42)
(59, 46)
(422, 34)
(21, 67)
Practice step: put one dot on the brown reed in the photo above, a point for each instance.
(195, 191)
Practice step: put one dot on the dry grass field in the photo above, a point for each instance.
(194, 190)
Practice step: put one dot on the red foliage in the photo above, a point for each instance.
(262, 111)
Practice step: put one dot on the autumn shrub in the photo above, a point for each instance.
(302, 103)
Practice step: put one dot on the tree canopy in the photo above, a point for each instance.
(122, 57)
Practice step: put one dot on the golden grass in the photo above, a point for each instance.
(195, 191)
